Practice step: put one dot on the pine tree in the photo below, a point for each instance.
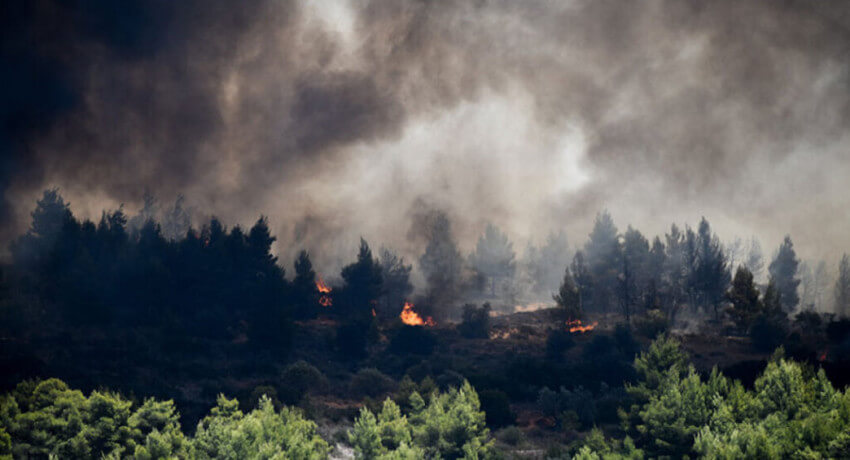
(441, 264)
(744, 296)
(842, 287)
(603, 253)
(710, 275)
(568, 297)
(783, 270)
(493, 258)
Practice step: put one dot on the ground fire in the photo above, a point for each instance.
(324, 291)
(576, 326)
(411, 318)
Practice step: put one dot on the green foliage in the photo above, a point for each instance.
(299, 379)
(451, 426)
(49, 419)
(261, 433)
(370, 382)
(791, 412)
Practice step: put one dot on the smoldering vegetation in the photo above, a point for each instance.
(150, 304)
(333, 116)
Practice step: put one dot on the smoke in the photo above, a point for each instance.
(338, 119)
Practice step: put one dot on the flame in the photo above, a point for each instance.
(411, 318)
(575, 326)
(321, 286)
(324, 290)
(374, 314)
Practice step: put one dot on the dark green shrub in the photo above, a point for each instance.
(476, 321)
(370, 382)
(495, 404)
(298, 379)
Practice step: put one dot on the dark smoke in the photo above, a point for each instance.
(335, 117)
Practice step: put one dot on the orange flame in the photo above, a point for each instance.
(411, 318)
(324, 290)
(575, 326)
(374, 313)
(321, 286)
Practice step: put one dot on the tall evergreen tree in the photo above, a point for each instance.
(783, 270)
(603, 252)
(363, 284)
(582, 278)
(754, 260)
(568, 297)
(397, 286)
(635, 275)
(842, 287)
(744, 296)
(441, 264)
(304, 294)
(710, 275)
(547, 263)
(493, 258)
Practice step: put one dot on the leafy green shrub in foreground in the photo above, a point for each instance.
(451, 426)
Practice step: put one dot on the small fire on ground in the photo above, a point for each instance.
(411, 318)
(576, 326)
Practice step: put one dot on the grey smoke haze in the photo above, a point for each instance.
(342, 118)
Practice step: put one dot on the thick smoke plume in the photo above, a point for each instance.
(340, 118)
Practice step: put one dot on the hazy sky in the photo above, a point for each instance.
(342, 118)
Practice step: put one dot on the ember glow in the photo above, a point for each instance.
(324, 291)
(576, 326)
(411, 318)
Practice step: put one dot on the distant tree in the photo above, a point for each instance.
(548, 262)
(304, 293)
(493, 258)
(147, 213)
(363, 285)
(783, 270)
(770, 328)
(710, 275)
(177, 220)
(744, 296)
(603, 253)
(676, 272)
(754, 260)
(476, 321)
(582, 278)
(635, 274)
(735, 252)
(397, 286)
(568, 297)
(821, 285)
(807, 286)
(50, 216)
(842, 287)
(441, 264)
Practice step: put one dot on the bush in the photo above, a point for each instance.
(298, 379)
(476, 322)
(450, 426)
(511, 436)
(652, 324)
(557, 343)
(412, 339)
(768, 332)
(262, 433)
(560, 404)
(495, 404)
(370, 382)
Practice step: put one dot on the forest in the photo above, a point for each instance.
(144, 337)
